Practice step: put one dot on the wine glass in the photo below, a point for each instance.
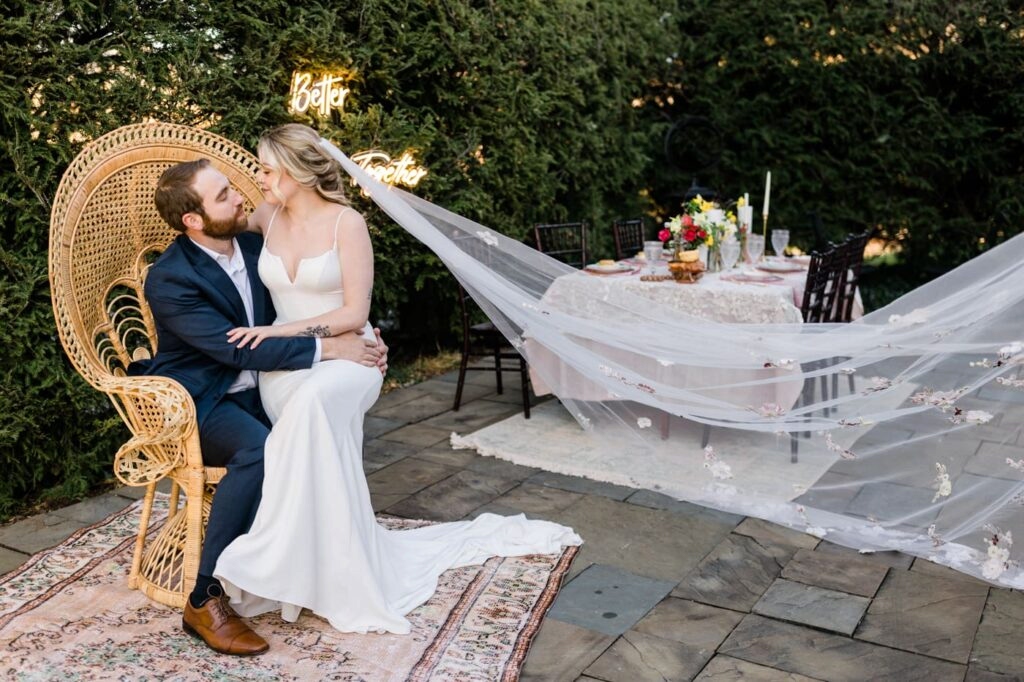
(730, 250)
(780, 240)
(652, 253)
(755, 247)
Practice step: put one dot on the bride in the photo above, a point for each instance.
(315, 543)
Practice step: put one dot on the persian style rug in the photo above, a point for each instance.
(68, 613)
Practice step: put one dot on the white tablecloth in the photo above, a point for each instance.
(711, 298)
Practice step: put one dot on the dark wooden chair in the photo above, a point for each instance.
(566, 242)
(821, 290)
(851, 262)
(629, 237)
(483, 339)
(822, 286)
(848, 266)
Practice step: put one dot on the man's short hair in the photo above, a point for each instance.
(174, 195)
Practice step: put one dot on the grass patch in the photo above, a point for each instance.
(403, 373)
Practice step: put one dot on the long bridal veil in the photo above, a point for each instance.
(899, 431)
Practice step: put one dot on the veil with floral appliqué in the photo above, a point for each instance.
(917, 451)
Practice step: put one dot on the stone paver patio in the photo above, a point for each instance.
(663, 590)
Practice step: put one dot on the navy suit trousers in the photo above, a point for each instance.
(232, 436)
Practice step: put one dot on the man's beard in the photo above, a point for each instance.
(224, 229)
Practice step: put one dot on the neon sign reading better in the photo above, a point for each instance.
(325, 94)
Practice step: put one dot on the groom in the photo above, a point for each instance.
(204, 285)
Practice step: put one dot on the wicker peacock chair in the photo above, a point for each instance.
(104, 232)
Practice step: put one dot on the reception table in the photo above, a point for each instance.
(741, 296)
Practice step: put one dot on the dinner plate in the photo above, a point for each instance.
(755, 277)
(779, 266)
(608, 269)
(639, 262)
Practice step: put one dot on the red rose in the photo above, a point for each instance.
(664, 235)
(690, 235)
(702, 234)
(687, 221)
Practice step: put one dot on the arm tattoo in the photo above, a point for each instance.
(319, 330)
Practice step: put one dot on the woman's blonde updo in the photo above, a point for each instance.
(295, 149)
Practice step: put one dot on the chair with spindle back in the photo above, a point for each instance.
(566, 242)
(818, 305)
(481, 338)
(851, 262)
(629, 237)
(822, 286)
(104, 233)
(848, 266)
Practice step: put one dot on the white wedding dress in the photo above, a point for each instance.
(315, 542)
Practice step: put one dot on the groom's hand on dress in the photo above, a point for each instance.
(351, 346)
(382, 363)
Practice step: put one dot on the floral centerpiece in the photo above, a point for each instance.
(702, 223)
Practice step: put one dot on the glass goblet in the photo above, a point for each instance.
(652, 253)
(780, 240)
(730, 250)
(755, 247)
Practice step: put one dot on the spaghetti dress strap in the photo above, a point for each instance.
(337, 222)
(266, 236)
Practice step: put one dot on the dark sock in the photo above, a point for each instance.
(206, 586)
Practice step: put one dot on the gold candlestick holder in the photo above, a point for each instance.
(764, 233)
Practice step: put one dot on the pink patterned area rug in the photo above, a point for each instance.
(67, 613)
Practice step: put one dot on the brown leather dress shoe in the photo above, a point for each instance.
(220, 627)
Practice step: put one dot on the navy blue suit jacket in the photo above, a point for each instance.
(195, 304)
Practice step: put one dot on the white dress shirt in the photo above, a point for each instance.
(235, 269)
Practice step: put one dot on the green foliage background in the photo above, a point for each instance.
(903, 117)
(521, 110)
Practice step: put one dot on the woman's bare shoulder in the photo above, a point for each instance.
(259, 219)
(350, 219)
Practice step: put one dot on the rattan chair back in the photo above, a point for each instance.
(104, 233)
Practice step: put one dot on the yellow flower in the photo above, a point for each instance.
(711, 240)
(741, 202)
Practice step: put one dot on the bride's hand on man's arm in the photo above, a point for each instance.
(369, 352)
(243, 336)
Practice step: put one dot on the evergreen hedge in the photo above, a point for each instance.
(521, 110)
(902, 117)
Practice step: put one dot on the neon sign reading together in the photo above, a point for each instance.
(401, 171)
(321, 96)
